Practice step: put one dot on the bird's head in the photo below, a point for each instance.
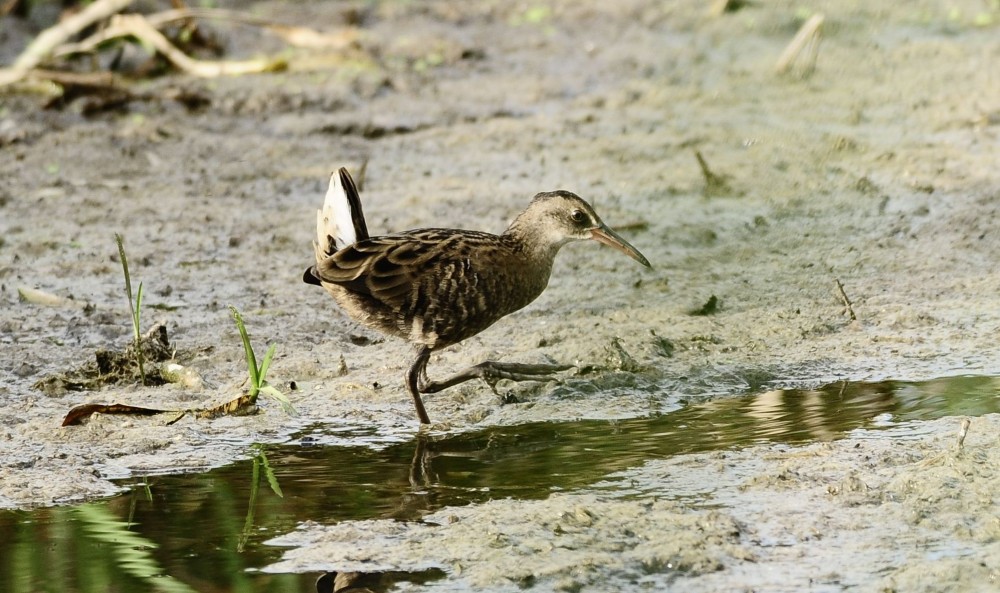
(558, 217)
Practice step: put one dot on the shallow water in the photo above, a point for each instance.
(206, 531)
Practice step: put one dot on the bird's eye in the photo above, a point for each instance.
(578, 216)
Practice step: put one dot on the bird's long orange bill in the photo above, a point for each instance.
(607, 236)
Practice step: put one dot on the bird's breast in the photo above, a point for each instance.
(464, 296)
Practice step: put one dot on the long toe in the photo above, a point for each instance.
(491, 372)
(488, 371)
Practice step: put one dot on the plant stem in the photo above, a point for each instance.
(134, 307)
(252, 368)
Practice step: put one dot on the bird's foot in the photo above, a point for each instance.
(491, 372)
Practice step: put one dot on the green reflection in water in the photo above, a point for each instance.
(205, 531)
(131, 551)
(259, 462)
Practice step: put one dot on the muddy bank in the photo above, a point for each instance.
(877, 169)
(901, 510)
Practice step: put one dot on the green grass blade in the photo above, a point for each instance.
(138, 335)
(279, 397)
(266, 363)
(255, 382)
(128, 280)
(137, 313)
(135, 307)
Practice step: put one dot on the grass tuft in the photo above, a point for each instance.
(134, 306)
(258, 373)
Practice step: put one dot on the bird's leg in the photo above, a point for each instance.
(491, 372)
(416, 376)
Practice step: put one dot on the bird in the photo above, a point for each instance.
(435, 287)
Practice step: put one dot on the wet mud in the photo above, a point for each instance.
(874, 172)
(115, 367)
(874, 512)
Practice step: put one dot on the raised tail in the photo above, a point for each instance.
(340, 222)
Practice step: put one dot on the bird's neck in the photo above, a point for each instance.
(537, 248)
(532, 261)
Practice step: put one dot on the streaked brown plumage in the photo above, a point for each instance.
(437, 287)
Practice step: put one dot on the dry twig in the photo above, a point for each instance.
(43, 45)
(714, 183)
(297, 36)
(137, 26)
(807, 36)
(53, 41)
(845, 300)
(963, 430)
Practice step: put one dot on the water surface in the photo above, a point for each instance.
(205, 531)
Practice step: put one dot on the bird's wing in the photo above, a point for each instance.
(389, 268)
